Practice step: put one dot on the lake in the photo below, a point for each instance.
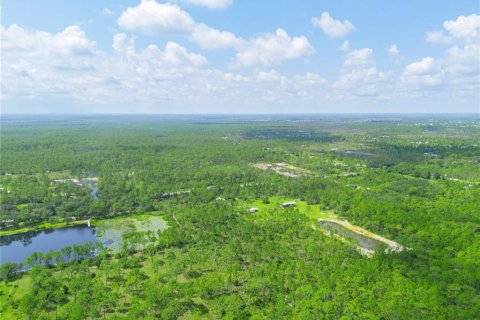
(16, 248)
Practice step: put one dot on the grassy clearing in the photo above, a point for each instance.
(12, 291)
(314, 212)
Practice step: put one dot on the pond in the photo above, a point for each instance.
(16, 248)
(361, 240)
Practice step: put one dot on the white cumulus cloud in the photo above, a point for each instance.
(359, 75)
(151, 17)
(464, 29)
(331, 27)
(211, 4)
(422, 67)
(426, 72)
(210, 38)
(272, 48)
(359, 57)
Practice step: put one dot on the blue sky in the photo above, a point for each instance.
(231, 56)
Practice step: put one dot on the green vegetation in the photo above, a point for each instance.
(312, 211)
(396, 178)
(40, 226)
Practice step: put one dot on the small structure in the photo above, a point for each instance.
(289, 204)
(252, 210)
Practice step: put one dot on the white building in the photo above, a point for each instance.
(289, 204)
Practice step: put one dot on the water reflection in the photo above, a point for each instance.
(362, 240)
(16, 248)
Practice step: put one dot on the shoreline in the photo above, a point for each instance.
(41, 227)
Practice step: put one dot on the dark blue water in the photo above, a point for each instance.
(16, 248)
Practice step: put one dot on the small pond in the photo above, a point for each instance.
(361, 240)
(16, 248)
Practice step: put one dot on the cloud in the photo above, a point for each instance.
(176, 54)
(267, 49)
(460, 65)
(345, 46)
(107, 12)
(331, 27)
(310, 78)
(422, 67)
(359, 75)
(41, 67)
(210, 38)
(151, 17)
(359, 57)
(393, 50)
(211, 4)
(235, 77)
(71, 40)
(438, 37)
(464, 29)
(272, 48)
(68, 65)
(426, 72)
(272, 75)
(172, 55)
(463, 60)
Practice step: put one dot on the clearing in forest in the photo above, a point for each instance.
(283, 168)
(331, 225)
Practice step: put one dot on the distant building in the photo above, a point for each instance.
(254, 209)
(289, 204)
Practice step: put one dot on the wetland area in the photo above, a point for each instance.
(16, 248)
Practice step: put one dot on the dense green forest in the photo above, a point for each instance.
(415, 180)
